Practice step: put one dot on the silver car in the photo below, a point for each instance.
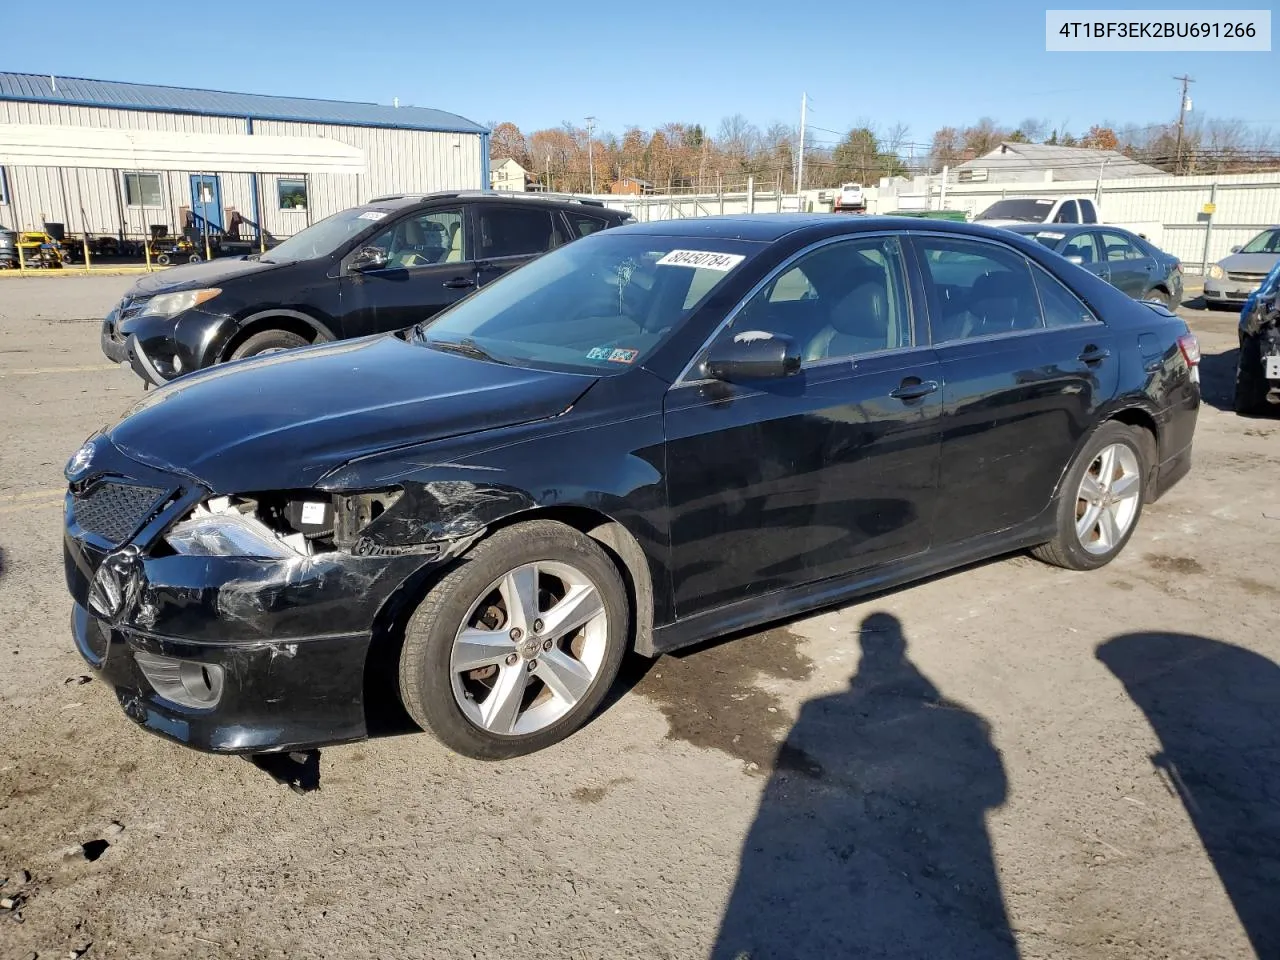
(1233, 278)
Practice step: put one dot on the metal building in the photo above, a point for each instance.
(118, 158)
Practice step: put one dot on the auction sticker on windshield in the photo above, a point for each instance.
(706, 259)
(371, 215)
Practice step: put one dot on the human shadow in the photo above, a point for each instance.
(871, 836)
(1212, 705)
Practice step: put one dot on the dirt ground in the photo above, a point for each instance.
(1007, 761)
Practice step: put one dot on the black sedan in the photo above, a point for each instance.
(652, 436)
(1130, 263)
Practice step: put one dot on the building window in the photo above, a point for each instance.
(292, 193)
(142, 189)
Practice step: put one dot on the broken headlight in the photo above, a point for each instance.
(226, 535)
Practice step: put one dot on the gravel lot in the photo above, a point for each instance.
(1008, 761)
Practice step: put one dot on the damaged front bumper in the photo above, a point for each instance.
(160, 349)
(232, 654)
(271, 695)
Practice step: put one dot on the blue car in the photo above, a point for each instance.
(1258, 366)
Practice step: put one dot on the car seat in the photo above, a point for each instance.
(1003, 302)
(859, 322)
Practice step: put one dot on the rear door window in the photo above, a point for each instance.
(1060, 306)
(979, 289)
(515, 232)
(582, 225)
(1118, 247)
(1088, 213)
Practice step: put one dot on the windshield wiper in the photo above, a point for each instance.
(467, 348)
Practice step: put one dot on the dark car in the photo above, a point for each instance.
(1258, 361)
(8, 249)
(1130, 263)
(653, 436)
(387, 264)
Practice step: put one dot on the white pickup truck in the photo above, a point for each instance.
(1013, 210)
(850, 198)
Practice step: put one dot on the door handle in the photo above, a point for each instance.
(1092, 355)
(459, 283)
(913, 389)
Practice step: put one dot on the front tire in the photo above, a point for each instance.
(269, 341)
(1101, 499)
(1251, 386)
(518, 645)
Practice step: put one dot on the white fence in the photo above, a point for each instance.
(1174, 212)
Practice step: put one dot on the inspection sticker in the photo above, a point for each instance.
(623, 356)
(707, 259)
(371, 215)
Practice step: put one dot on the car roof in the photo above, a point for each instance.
(1067, 229)
(562, 201)
(767, 227)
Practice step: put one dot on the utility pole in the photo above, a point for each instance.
(591, 154)
(804, 106)
(1184, 105)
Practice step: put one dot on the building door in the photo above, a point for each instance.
(206, 199)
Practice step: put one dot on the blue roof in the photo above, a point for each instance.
(38, 88)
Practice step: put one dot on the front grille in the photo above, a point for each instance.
(115, 511)
(132, 306)
(1247, 277)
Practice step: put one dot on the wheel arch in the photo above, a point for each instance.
(623, 549)
(387, 635)
(1133, 415)
(294, 321)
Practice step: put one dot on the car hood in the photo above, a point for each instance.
(1249, 262)
(285, 420)
(190, 276)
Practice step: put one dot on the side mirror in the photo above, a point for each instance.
(1076, 260)
(753, 355)
(369, 258)
(1236, 249)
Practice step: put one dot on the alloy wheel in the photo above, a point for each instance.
(1108, 499)
(529, 648)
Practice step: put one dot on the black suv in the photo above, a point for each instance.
(382, 266)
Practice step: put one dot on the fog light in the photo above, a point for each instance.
(185, 682)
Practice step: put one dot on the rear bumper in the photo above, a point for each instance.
(275, 695)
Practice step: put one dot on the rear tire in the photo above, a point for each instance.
(1163, 297)
(1101, 499)
(1251, 386)
(467, 619)
(269, 341)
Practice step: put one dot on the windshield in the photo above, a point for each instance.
(1268, 241)
(599, 305)
(325, 237)
(1027, 210)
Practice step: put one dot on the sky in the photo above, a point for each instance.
(925, 64)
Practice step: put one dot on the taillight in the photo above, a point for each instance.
(1177, 266)
(1190, 348)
